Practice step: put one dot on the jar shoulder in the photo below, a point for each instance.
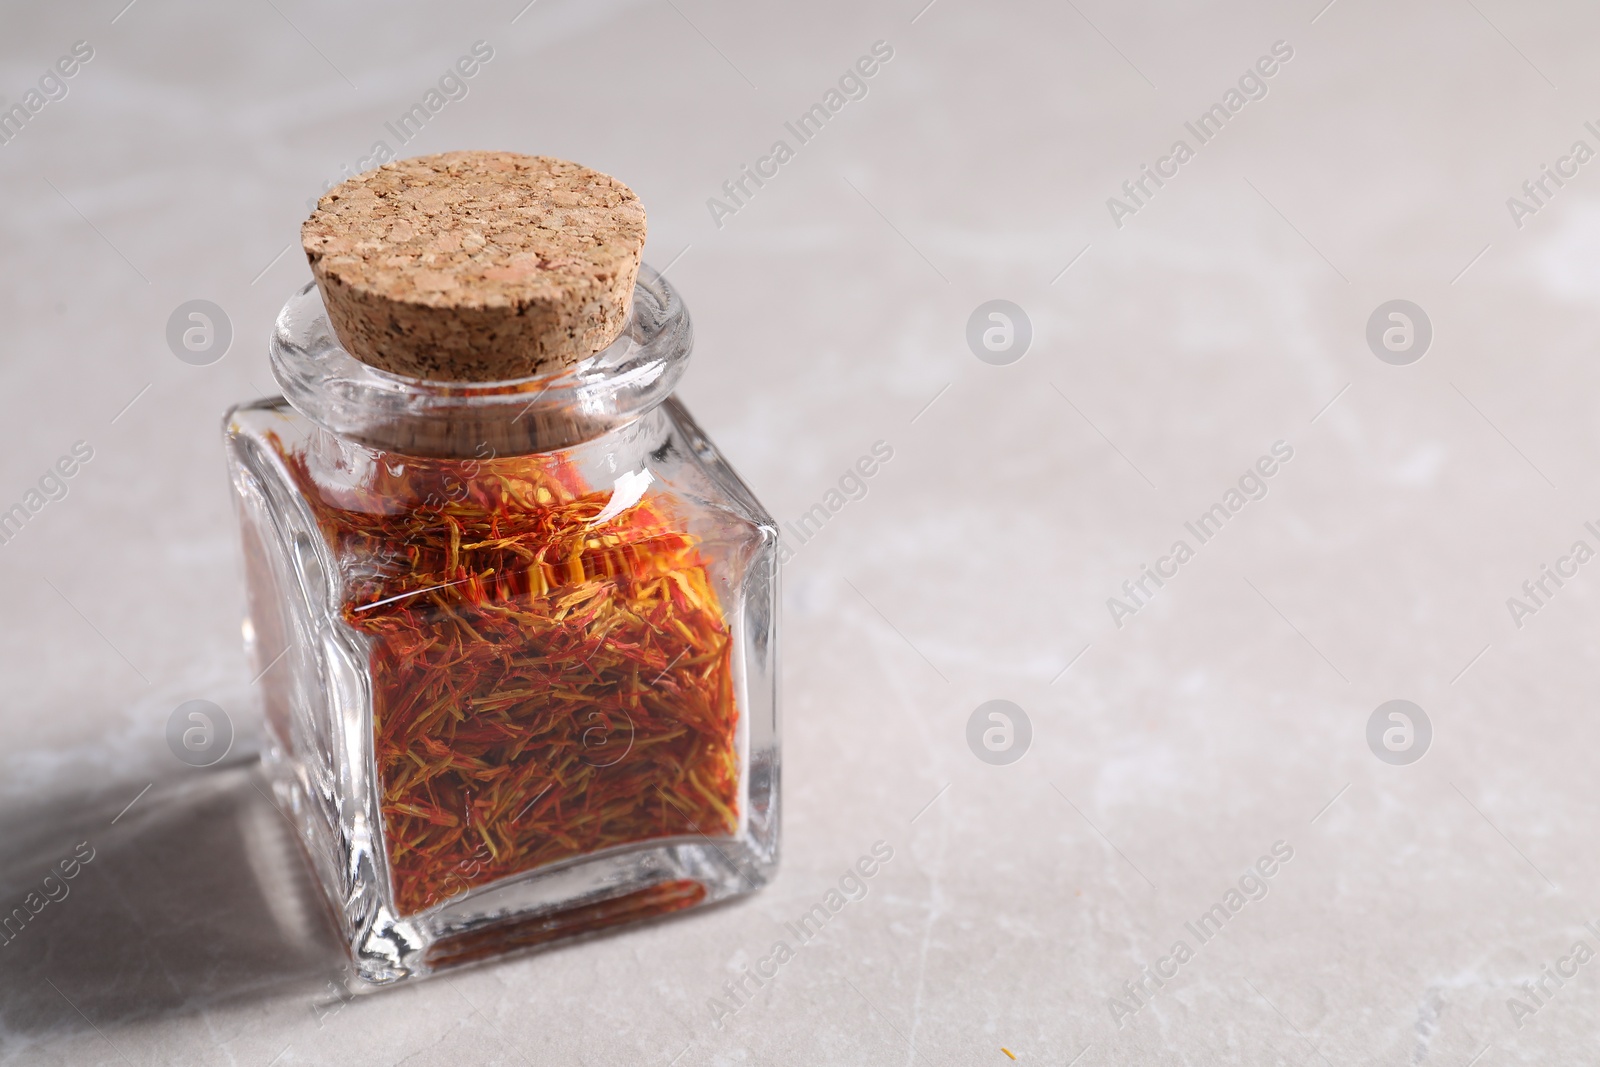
(664, 461)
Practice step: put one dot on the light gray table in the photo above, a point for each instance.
(1174, 340)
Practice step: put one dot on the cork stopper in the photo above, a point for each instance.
(476, 266)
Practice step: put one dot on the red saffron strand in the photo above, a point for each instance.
(537, 679)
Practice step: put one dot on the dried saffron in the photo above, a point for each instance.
(544, 685)
(514, 617)
(660, 899)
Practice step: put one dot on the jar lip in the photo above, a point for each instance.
(611, 388)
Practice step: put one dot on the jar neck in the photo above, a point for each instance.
(413, 416)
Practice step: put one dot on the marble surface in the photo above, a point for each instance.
(1174, 341)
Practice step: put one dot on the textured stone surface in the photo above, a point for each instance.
(476, 266)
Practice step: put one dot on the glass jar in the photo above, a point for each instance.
(517, 643)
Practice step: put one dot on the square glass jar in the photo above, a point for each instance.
(517, 643)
